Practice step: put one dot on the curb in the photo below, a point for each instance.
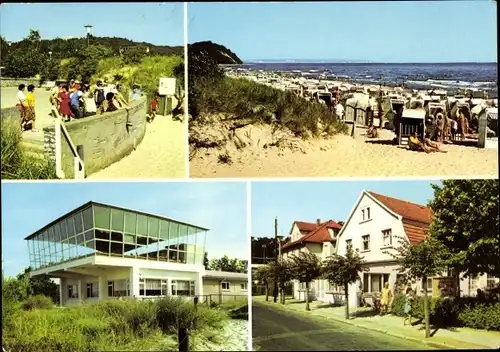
(439, 345)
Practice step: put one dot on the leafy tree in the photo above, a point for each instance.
(305, 268)
(225, 263)
(281, 273)
(23, 63)
(342, 271)
(39, 285)
(132, 57)
(264, 277)
(466, 221)
(50, 71)
(427, 259)
(89, 60)
(263, 247)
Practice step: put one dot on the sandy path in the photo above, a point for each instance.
(344, 156)
(161, 154)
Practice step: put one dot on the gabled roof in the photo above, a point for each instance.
(305, 226)
(318, 235)
(416, 218)
(407, 210)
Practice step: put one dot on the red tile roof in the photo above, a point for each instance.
(319, 235)
(416, 217)
(305, 226)
(407, 210)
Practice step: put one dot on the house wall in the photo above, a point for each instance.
(379, 220)
(211, 287)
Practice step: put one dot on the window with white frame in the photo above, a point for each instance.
(366, 242)
(225, 286)
(374, 282)
(72, 291)
(244, 286)
(492, 281)
(429, 284)
(118, 288)
(365, 214)
(183, 288)
(348, 244)
(387, 237)
(92, 289)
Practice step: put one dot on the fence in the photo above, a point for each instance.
(220, 298)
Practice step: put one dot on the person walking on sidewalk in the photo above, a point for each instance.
(407, 309)
(385, 299)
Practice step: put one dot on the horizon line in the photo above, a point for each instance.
(338, 61)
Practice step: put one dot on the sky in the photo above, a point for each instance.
(380, 31)
(220, 207)
(154, 23)
(324, 200)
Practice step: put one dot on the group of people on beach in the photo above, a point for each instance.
(26, 105)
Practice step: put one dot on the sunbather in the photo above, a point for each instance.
(416, 145)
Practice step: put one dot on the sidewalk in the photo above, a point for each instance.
(456, 338)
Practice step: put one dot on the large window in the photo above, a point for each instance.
(348, 244)
(92, 289)
(118, 288)
(387, 237)
(183, 288)
(374, 282)
(366, 242)
(72, 291)
(492, 282)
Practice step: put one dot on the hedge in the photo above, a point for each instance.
(473, 312)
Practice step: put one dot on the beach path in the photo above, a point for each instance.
(343, 156)
(161, 154)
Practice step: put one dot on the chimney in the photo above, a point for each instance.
(318, 222)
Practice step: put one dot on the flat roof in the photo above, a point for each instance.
(90, 203)
(214, 274)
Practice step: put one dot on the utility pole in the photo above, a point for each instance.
(275, 288)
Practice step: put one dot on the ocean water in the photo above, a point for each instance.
(447, 76)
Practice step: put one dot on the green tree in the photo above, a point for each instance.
(466, 221)
(281, 273)
(89, 60)
(225, 263)
(264, 277)
(305, 268)
(133, 57)
(23, 63)
(38, 285)
(425, 260)
(343, 271)
(50, 71)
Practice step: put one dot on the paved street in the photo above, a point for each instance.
(276, 330)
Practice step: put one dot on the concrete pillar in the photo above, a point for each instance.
(198, 287)
(482, 130)
(81, 290)
(169, 286)
(62, 290)
(103, 288)
(134, 282)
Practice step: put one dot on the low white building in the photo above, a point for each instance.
(100, 251)
(318, 238)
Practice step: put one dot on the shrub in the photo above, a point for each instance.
(38, 302)
(16, 164)
(482, 316)
(173, 313)
(398, 304)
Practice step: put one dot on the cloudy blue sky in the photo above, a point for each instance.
(325, 200)
(220, 206)
(378, 31)
(155, 23)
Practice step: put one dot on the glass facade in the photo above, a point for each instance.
(110, 231)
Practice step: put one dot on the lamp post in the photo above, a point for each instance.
(88, 27)
(275, 286)
(279, 238)
(50, 55)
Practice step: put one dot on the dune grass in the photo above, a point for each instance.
(247, 100)
(127, 325)
(16, 163)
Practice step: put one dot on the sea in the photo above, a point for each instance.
(447, 76)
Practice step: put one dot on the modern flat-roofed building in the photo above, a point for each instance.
(100, 251)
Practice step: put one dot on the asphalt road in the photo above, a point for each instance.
(275, 330)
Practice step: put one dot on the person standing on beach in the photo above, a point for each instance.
(154, 107)
(64, 101)
(99, 95)
(463, 124)
(75, 102)
(21, 102)
(30, 108)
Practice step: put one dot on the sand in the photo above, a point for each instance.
(161, 154)
(343, 156)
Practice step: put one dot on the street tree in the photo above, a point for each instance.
(281, 274)
(305, 267)
(422, 261)
(466, 221)
(263, 276)
(342, 271)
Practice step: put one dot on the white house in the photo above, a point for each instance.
(100, 251)
(318, 238)
(224, 286)
(373, 227)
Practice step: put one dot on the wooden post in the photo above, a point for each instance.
(196, 311)
(80, 152)
(183, 340)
